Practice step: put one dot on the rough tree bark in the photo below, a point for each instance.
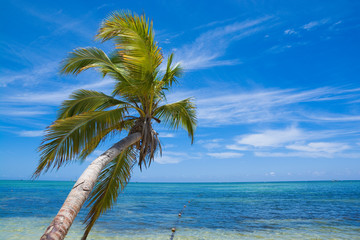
(61, 224)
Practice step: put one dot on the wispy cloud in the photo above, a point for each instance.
(325, 147)
(22, 112)
(29, 76)
(272, 174)
(237, 147)
(169, 157)
(225, 155)
(166, 135)
(31, 133)
(313, 24)
(214, 23)
(336, 118)
(279, 48)
(105, 5)
(293, 142)
(290, 137)
(267, 105)
(210, 46)
(55, 97)
(290, 32)
(287, 142)
(210, 144)
(302, 154)
(62, 22)
(297, 35)
(32, 102)
(272, 138)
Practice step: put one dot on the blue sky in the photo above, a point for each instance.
(276, 84)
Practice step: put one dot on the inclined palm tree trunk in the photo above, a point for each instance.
(62, 222)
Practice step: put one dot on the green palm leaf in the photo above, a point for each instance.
(84, 58)
(111, 181)
(181, 113)
(134, 37)
(82, 101)
(103, 136)
(171, 74)
(66, 138)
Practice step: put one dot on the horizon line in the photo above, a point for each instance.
(280, 181)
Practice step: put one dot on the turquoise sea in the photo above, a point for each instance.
(281, 210)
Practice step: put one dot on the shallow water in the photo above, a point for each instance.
(286, 210)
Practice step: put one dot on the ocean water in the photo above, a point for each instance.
(283, 210)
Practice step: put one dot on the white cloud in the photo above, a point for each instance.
(168, 160)
(313, 24)
(223, 155)
(213, 145)
(290, 32)
(210, 24)
(326, 147)
(279, 48)
(237, 147)
(62, 22)
(31, 133)
(336, 118)
(312, 150)
(298, 154)
(165, 146)
(36, 103)
(169, 157)
(210, 144)
(22, 113)
(53, 98)
(272, 138)
(29, 77)
(292, 154)
(272, 174)
(166, 135)
(206, 50)
(294, 142)
(298, 31)
(236, 106)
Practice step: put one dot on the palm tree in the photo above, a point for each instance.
(90, 117)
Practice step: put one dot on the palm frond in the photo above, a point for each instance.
(129, 88)
(105, 135)
(171, 73)
(66, 138)
(84, 58)
(111, 181)
(82, 101)
(181, 113)
(134, 37)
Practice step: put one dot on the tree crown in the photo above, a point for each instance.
(88, 118)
